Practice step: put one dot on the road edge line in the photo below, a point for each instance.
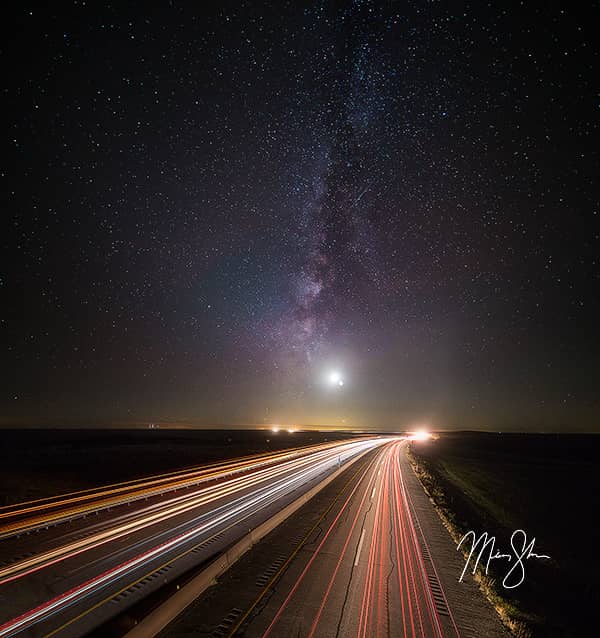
(166, 612)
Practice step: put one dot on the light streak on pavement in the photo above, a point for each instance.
(367, 576)
(70, 577)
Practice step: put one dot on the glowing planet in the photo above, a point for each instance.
(335, 378)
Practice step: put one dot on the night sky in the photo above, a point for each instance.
(208, 208)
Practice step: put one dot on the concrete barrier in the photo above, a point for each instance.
(160, 617)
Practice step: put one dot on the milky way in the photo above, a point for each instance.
(207, 207)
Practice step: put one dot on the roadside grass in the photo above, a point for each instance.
(512, 615)
(540, 491)
(477, 486)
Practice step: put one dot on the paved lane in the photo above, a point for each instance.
(366, 577)
(79, 572)
(368, 558)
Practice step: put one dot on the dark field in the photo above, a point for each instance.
(546, 485)
(39, 463)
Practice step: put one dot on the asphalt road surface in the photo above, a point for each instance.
(367, 557)
(70, 563)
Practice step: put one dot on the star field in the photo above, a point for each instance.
(205, 207)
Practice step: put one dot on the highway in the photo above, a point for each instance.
(366, 558)
(68, 564)
(366, 577)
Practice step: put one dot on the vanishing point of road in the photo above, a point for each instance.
(367, 556)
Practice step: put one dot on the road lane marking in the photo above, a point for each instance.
(373, 494)
(177, 557)
(234, 629)
(360, 544)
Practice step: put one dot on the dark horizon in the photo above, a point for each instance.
(282, 429)
(355, 214)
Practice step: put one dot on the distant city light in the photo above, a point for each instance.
(275, 429)
(420, 435)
